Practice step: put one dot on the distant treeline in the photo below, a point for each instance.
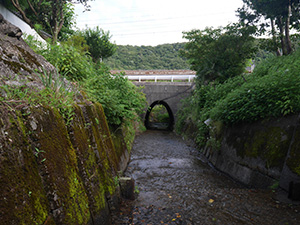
(163, 57)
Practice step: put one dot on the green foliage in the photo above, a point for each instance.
(121, 100)
(56, 87)
(271, 91)
(218, 54)
(99, 43)
(275, 94)
(136, 189)
(197, 108)
(34, 44)
(68, 27)
(119, 97)
(56, 17)
(159, 114)
(163, 57)
(78, 42)
(56, 94)
(279, 15)
(68, 58)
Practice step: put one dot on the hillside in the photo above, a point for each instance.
(164, 57)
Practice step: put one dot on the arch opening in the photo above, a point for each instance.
(159, 116)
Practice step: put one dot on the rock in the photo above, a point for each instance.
(9, 29)
(17, 60)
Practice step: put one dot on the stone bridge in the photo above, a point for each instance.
(168, 94)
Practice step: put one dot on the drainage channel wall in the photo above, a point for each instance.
(261, 154)
(53, 173)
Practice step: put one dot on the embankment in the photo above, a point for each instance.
(52, 170)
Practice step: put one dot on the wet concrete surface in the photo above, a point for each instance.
(177, 186)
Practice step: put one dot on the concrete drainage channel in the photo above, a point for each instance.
(177, 186)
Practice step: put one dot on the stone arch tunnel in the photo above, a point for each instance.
(168, 94)
(171, 119)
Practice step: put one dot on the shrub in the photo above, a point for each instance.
(121, 100)
(273, 95)
(271, 91)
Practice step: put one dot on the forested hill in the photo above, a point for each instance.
(165, 57)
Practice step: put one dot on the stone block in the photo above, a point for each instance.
(127, 185)
(294, 191)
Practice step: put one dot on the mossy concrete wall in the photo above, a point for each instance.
(258, 154)
(51, 173)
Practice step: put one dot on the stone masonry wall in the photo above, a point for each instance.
(54, 174)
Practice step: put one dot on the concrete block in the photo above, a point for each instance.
(127, 185)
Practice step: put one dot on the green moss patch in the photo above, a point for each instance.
(89, 166)
(23, 199)
(105, 133)
(58, 165)
(51, 174)
(98, 138)
(270, 144)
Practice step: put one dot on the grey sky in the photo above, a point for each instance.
(153, 22)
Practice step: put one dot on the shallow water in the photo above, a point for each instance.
(177, 186)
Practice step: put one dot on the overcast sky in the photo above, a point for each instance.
(154, 22)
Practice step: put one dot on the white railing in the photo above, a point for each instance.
(156, 78)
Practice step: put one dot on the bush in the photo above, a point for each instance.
(273, 95)
(271, 91)
(121, 100)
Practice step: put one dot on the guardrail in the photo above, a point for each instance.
(156, 78)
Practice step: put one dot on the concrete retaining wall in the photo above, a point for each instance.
(258, 154)
(171, 93)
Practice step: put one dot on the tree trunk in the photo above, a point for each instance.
(278, 53)
(282, 39)
(32, 8)
(25, 18)
(287, 30)
(58, 19)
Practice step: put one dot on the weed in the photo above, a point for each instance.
(275, 185)
(136, 189)
(55, 94)
(116, 181)
(37, 152)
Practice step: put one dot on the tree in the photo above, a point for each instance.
(160, 57)
(280, 14)
(67, 29)
(217, 54)
(50, 14)
(99, 43)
